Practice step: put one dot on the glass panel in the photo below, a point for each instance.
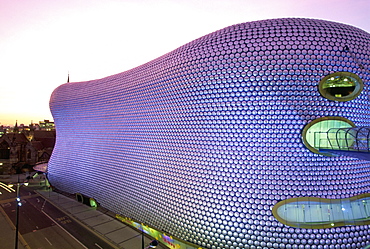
(341, 86)
(311, 212)
(326, 133)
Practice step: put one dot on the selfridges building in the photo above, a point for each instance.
(248, 137)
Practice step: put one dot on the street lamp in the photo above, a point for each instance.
(152, 244)
(19, 203)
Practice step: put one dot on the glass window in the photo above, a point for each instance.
(316, 134)
(317, 213)
(341, 86)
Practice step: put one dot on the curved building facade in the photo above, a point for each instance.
(218, 142)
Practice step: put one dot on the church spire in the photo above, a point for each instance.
(15, 129)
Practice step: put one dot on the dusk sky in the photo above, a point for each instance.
(42, 40)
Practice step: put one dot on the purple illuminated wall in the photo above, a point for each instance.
(204, 141)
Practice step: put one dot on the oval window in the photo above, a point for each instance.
(341, 86)
(322, 133)
(319, 213)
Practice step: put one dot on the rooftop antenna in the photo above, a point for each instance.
(346, 49)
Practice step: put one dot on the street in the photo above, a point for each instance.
(42, 225)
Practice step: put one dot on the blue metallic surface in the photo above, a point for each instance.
(202, 142)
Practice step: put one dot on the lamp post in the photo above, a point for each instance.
(142, 236)
(18, 199)
(153, 243)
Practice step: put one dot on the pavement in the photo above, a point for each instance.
(98, 220)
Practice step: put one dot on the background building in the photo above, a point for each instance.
(21, 147)
(46, 125)
(216, 135)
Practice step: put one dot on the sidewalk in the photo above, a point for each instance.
(101, 222)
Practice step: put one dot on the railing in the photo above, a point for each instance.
(347, 139)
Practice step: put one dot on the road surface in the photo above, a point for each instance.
(43, 226)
